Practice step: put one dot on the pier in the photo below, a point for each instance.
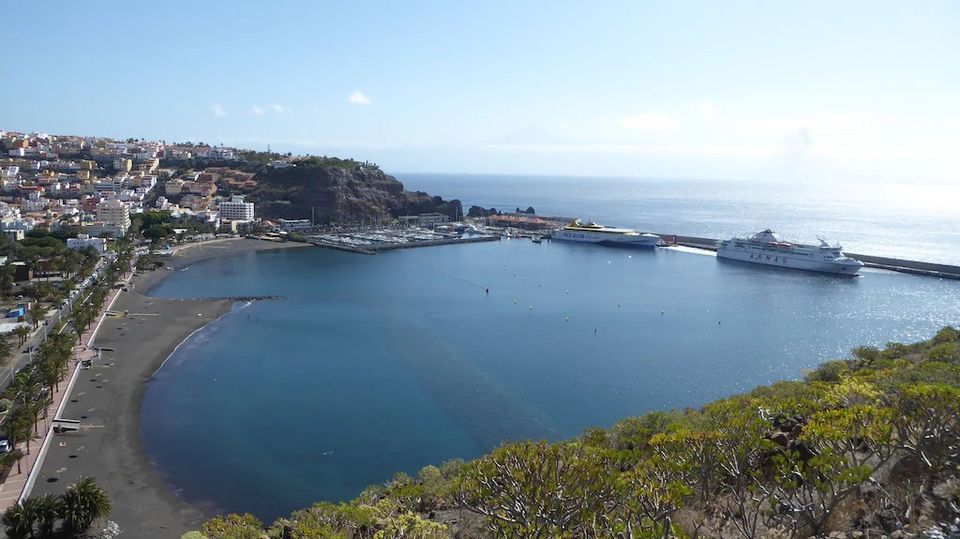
(914, 267)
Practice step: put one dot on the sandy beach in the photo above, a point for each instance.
(107, 400)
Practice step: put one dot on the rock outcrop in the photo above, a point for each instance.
(340, 193)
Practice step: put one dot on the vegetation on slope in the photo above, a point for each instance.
(870, 444)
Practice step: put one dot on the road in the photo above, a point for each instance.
(22, 355)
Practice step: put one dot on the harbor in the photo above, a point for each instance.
(375, 240)
(370, 242)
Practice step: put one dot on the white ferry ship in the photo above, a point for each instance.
(765, 248)
(594, 233)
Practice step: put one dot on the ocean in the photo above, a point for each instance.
(372, 365)
(907, 220)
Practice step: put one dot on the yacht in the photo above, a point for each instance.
(594, 233)
(765, 248)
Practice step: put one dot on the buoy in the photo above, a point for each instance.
(566, 318)
(514, 302)
(531, 307)
(488, 290)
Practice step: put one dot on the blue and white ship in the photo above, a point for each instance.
(594, 233)
(765, 248)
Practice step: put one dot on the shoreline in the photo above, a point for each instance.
(108, 398)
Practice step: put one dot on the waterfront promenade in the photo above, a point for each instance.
(20, 480)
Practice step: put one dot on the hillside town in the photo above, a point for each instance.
(96, 184)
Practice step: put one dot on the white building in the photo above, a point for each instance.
(82, 241)
(219, 153)
(114, 212)
(236, 209)
(293, 225)
(17, 223)
(34, 203)
(103, 229)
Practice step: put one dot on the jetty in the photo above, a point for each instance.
(901, 265)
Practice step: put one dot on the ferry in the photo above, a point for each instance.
(594, 233)
(765, 248)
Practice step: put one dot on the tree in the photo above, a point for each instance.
(244, 526)
(84, 502)
(6, 352)
(653, 491)
(18, 521)
(410, 525)
(538, 490)
(742, 448)
(927, 424)
(809, 488)
(37, 314)
(46, 510)
(22, 333)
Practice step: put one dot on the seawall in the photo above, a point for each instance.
(901, 265)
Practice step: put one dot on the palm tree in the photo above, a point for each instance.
(83, 503)
(18, 521)
(22, 332)
(37, 313)
(50, 372)
(6, 352)
(46, 510)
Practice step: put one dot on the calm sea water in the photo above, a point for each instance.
(376, 364)
(914, 221)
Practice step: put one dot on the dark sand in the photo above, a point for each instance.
(107, 398)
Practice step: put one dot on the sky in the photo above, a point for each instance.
(814, 90)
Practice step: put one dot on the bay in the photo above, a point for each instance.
(371, 365)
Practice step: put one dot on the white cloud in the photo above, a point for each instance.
(256, 111)
(357, 98)
(218, 110)
(653, 121)
(706, 108)
(280, 109)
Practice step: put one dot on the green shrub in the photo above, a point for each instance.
(946, 335)
(947, 352)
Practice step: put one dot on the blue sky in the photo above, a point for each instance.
(775, 90)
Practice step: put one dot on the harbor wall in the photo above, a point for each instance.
(901, 265)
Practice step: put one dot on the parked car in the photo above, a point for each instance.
(5, 446)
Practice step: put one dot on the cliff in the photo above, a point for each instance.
(335, 191)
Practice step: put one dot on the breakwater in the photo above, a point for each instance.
(901, 265)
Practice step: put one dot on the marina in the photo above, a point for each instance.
(372, 241)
